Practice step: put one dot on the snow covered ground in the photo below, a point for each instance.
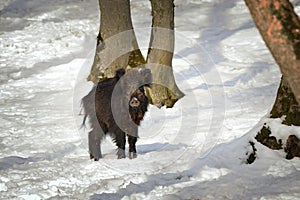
(196, 150)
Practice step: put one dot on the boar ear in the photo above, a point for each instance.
(120, 73)
(141, 88)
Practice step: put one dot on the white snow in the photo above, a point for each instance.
(198, 149)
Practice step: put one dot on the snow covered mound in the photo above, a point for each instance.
(198, 149)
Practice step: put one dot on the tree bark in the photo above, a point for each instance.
(286, 105)
(117, 46)
(279, 26)
(164, 91)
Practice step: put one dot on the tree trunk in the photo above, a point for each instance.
(286, 104)
(279, 26)
(164, 90)
(117, 46)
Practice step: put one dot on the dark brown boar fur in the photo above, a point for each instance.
(116, 106)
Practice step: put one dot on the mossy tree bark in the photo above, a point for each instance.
(117, 46)
(286, 105)
(279, 27)
(164, 91)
